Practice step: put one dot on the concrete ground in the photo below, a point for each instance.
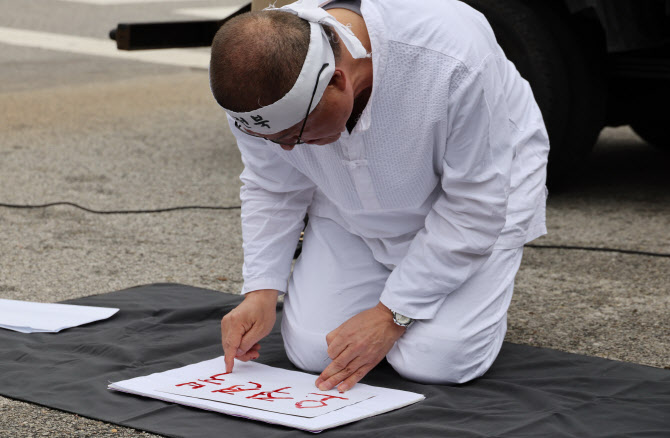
(123, 135)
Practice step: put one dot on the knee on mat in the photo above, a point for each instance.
(306, 351)
(307, 361)
(452, 363)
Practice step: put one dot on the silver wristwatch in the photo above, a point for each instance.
(402, 320)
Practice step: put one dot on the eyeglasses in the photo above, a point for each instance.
(279, 140)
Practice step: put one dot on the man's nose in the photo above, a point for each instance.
(287, 147)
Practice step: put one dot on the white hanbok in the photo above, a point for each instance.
(424, 206)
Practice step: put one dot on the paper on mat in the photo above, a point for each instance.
(29, 317)
(366, 400)
(260, 388)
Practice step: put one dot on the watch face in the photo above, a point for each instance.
(402, 319)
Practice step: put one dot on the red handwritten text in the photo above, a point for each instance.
(214, 378)
(267, 395)
(194, 385)
(237, 388)
(317, 403)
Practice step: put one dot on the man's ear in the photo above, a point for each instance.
(339, 80)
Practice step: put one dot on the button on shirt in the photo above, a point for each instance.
(446, 162)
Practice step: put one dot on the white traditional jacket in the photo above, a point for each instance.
(446, 163)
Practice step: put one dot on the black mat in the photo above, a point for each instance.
(529, 392)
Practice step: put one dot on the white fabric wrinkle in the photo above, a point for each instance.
(283, 232)
(476, 187)
(274, 179)
(274, 199)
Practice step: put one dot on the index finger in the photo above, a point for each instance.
(231, 341)
(342, 363)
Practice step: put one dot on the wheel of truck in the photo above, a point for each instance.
(561, 58)
(654, 132)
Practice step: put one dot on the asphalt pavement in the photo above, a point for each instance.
(119, 134)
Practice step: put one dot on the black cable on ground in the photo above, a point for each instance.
(90, 210)
(598, 249)
(237, 207)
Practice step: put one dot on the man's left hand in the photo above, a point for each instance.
(357, 346)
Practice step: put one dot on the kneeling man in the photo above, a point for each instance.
(419, 154)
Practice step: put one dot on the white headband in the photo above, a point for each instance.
(292, 108)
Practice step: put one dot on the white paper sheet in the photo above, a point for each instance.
(261, 387)
(30, 317)
(370, 400)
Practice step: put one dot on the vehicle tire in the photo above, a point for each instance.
(654, 132)
(563, 60)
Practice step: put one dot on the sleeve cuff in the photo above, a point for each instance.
(253, 284)
(425, 311)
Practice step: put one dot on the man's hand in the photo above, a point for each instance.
(248, 323)
(357, 346)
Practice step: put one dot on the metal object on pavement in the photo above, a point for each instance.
(163, 35)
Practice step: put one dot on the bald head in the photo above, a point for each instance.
(257, 57)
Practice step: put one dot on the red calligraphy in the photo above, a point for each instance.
(267, 395)
(318, 403)
(237, 388)
(194, 385)
(214, 378)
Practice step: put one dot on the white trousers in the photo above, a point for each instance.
(337, 277)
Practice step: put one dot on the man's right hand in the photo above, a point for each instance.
(244, 326)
